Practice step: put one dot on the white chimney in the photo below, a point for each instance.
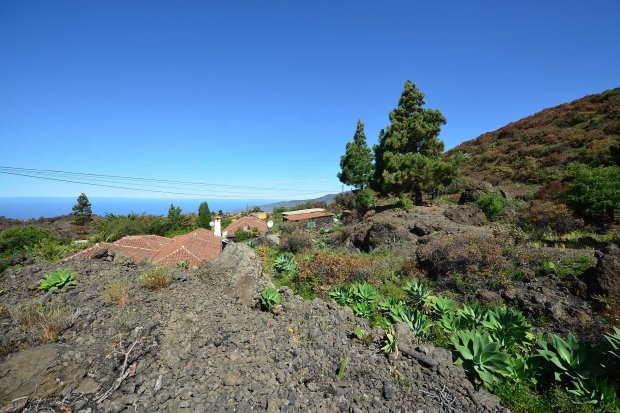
(217, 228)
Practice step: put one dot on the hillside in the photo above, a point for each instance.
(536, 149)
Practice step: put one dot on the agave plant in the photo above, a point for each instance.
(285, 263)
(450, 323)
(567, 360)
(389, 343)
(440, 306)
(520, 370)
(481, 357)
(392, 309)
(614, 340)
(472, 316)
(508, 327)
(363, 309)
(57, 280)
(340, 294)
(363, 293)
(269, 299)
(597, 392)
(183, 264)
(417, 292)
(417, 322)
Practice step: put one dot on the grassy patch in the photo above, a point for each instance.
(43, 322)
(117, 292)
(156, 278)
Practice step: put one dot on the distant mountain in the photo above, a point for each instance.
(536, 149)
(290, 204)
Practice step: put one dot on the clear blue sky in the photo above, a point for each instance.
(267, 93)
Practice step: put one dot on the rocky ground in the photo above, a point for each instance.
(202, 345)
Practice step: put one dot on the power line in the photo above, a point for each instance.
(124, 187)
(31, 170)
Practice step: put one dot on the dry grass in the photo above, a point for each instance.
(43, 321)
(117, 292)
(156, 278)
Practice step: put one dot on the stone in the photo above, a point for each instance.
(231, 378)
(604, 278)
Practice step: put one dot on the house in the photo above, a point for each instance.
(194, 248)
(310, 218)
(247, 224)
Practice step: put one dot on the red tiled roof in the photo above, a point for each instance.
(244, 222)
(309, 215)
(194, 247)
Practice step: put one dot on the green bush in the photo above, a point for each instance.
(593, 191)
(491, 203)
(365, 199)
(243, 235)
(404, 203)
(17, 238)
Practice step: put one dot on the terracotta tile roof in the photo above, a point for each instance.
(309, 215)
(194, 247)
(244, 222)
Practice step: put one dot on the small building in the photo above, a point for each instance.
(310, 218)
(247, 224)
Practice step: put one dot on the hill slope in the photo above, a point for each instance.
(536, 149)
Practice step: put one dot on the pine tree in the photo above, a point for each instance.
(82, 210)
(356, 163)
(175, 218)
(204, 215)
(408, 158)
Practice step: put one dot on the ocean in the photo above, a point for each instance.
(36, 207)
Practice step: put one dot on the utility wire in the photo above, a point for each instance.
(119, 187)
(31, 170)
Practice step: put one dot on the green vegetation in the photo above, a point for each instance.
(593, 191)
(183, 264)
(57, 280)
(204, 215)
(82, 210)
(117, 292)
(365, 199)
(17, 238)
(243, 235)
(343, 367)
(43, 322)
(269, 299)
(156, 278)
(408, 158)
(491, 203)
(356, 163)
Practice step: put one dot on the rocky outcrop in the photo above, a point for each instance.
(468, 214)
(197, 346)
(604, 278)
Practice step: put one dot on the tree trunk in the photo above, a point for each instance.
(418, 196)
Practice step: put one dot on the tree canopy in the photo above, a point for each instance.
(356, 163)
(204, 215)
(408, 158)
(82, 210)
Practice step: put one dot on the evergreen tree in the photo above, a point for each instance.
(204, 215)
(175, 218)
(356, 163)
(408, 158)
(82, 210)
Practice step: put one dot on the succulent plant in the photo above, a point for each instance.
(57, 280)
(508, 327)
(472, 316)
(340, 294)
(363, 293)
(417, 292)
(269, 299)
(481, 357)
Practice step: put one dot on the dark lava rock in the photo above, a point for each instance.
(604, 278)
(467, 214)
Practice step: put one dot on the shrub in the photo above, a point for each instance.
(593, 191)
(365, 199)
(57, 280)
(327, 270)
(404, 203)
(117, 292)
(297, 241)
(16, 238)
(243, 235)
(156, 278)
(491, 204)
(545, 216)
(43, 321)
(114, 227)
(345, 199)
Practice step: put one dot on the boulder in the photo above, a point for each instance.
(604, 278)
(467, 214)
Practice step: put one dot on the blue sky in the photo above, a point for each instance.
(267, 94)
